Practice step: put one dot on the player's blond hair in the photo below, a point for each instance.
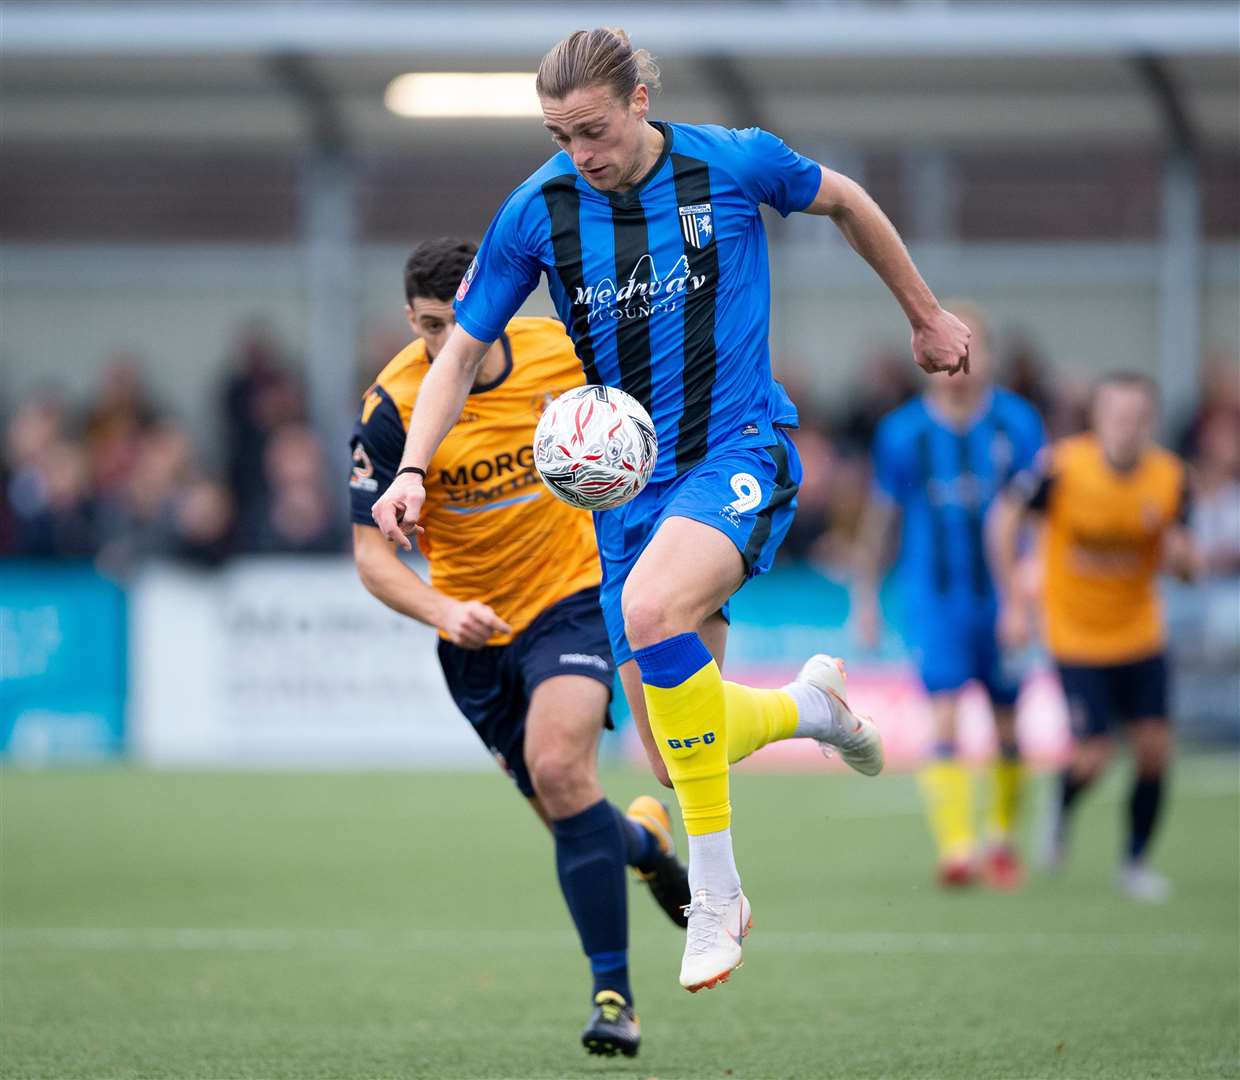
(600, 57)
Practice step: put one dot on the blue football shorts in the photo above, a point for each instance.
(955, 642)
(749, 495)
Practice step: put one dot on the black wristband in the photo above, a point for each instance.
(412, 468)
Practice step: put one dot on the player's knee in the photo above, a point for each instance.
(1091, 759)
(649, 619)
(556, 775)
(1152, 750)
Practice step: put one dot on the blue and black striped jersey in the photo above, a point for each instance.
(664, 289)
(945, 479)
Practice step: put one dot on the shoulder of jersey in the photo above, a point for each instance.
(1010, 399)
(558, 164)
(905, 418)
(1019, 411)
(1167, 461)
(723, 147)
(1075, 452)
(537, 328)
(542, 357)
(708, 133)
(404, 372)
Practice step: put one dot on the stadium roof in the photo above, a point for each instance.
(167, 75)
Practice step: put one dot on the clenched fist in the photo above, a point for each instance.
(942, 344)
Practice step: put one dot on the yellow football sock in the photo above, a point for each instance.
(947, 789)
(1007, 777)
(688, 720)
(756, 717)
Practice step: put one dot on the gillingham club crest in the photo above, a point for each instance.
(697, 224)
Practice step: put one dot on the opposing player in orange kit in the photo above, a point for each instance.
(514, 595)
(1114, 510)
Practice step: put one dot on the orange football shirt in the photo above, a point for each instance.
(1103, 551)
(494, 532)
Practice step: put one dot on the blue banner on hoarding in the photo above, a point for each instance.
(62, 663)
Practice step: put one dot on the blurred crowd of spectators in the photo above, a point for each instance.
(119, 480)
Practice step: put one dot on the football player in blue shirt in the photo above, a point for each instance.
(940, 462)
(650, 236)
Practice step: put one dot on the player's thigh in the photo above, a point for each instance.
(942, 652)
(564, 721)
(719, 525)
(714, 633)
(486, 686)
(562, 727)
(686, 573)
(1089, 692)
(567, 674)
(944, 716)
(1001, 682)
(1146, 709)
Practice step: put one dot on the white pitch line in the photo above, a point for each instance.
(861, 942)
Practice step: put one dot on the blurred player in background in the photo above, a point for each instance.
(939, 463)
(514, 595)
(655, 254)
(1114, 507)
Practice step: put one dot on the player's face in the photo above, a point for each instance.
(601, 134)
(1124, 418)
(431, 319)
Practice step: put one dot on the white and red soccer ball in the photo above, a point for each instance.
(595, 447)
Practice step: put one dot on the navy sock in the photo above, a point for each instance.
(1143, 805)
(1070, 786)
(640, 846)
(590, 854)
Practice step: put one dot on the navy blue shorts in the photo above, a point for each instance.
(493, 685)
(956, 642)
(748, 495)
(1099, 697)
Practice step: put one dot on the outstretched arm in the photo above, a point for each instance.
(940, 340)
(468, 623)
(441, 398)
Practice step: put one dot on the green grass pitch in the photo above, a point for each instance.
(409, 925)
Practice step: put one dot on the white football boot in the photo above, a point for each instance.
(855, 737)
(1138, 882)
(717, 927)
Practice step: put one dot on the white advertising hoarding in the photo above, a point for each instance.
(285, 662)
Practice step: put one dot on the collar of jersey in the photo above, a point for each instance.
(944, 421)
(625, 198)
(503, 340)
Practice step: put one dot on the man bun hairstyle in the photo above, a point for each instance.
(599, 57)
(435, 267)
